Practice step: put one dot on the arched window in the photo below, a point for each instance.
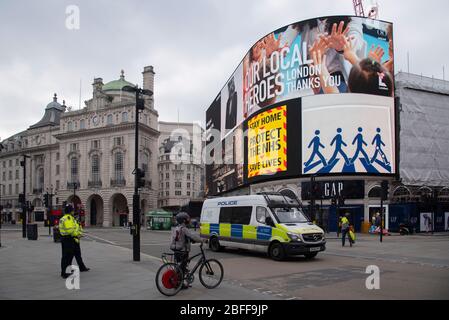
(83, 124)
(74, 169)
(95, 168)
(125, 117)
(118, 166)
(375, 192)
(70, 126)
(109, 120)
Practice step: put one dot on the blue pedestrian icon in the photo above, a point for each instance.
(339, 144)
(378, 143)
(316, 143)
(360, 144)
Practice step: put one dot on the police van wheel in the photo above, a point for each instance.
(276, 251)
(311, 255)
(214, 244)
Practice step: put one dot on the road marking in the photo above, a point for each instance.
(101, 239)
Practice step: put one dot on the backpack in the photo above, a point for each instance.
(178, 239)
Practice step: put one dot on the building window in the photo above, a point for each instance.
(10, 189)
(57, 156)
(57, 184)
(118, 141)
(10, 163)
(145, 164)
(118, 166)
(4, 164)
(74, 170)
(73, 147)
(17, 188)
(40, 179)
(17, 174)
(109, 120)
(10, 175)
(167, 193)
(95, 144)
(57, 169)
(125, 117)
(167, 184)
(4, 176)
(188, 176)
(17, 162)
(188, 185)
(70, 126)
(95, 168)
(83, 124)
(188, 193)
(178, 185)
(178, 193)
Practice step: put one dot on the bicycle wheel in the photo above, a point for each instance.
(211, 273)
(169, 279)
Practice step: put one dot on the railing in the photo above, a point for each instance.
(95, 184)
(73, 185)
(118, 182)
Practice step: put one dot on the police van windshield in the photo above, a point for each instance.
(289, 215)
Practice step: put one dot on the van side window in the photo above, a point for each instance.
(241, 215)
(261, 214)
(236, 215)
(226, 215)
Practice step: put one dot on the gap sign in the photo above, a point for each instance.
(353, 189)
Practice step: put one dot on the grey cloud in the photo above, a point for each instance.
(193, 45)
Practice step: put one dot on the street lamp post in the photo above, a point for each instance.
(49, 204)
(140, 106)
(23, 198)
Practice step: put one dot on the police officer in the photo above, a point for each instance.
(77, 247)
(69, 230)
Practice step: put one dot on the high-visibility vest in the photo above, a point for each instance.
(78, 230)
(67, 226)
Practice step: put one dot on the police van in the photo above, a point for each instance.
(265, 222)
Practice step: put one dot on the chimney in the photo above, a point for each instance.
(98, 84)
(148, 78)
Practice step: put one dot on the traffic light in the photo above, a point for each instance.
(140, 178)
(46, 202)
(384, 190)
(22, 198)
(140, 104)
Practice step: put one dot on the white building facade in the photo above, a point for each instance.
(181, 169)
(86, 157)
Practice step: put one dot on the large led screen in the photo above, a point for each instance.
(352, 133)
(322, 58)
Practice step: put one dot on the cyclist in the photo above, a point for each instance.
(181, 240)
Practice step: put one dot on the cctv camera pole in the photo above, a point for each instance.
(136, 197)
(140, 105)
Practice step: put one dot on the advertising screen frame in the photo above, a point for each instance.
(293, 173)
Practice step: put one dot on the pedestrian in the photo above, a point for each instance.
(345, 228)
(339, 227)
(181, 239)
(69, 230)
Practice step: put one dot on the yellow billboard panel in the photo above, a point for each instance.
(267, 143)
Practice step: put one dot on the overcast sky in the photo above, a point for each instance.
(193, 45)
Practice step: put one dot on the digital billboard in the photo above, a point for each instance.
(325, 67)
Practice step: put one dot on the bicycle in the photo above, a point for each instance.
(170, 278)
